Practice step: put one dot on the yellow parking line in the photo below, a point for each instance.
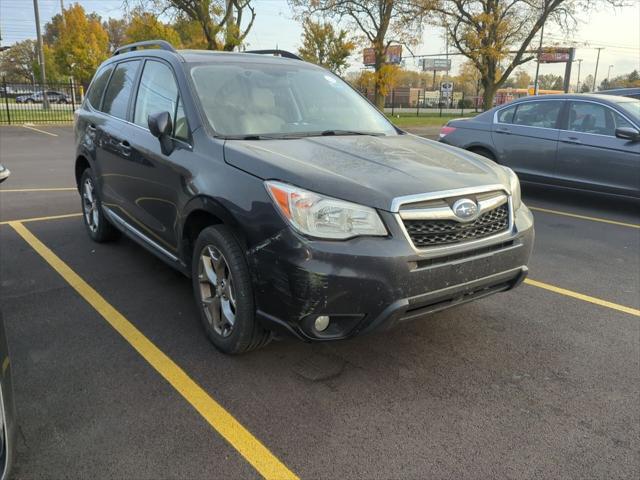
(222, 421)
(585, 217)
(584, 298)
(41, 131)
(40, 219)
(20, 190)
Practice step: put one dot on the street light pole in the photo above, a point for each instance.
(535, 83)
(578, 84)
(595, 74)
(43, 75)
(609, 72)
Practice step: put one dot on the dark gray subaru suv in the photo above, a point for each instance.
(291, 202)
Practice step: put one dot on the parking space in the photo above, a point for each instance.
(530, 383)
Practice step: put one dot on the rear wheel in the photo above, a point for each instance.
(95, 221)
(224, 294)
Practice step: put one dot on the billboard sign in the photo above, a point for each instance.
(435, 64)
(393, 55)
(555, 55)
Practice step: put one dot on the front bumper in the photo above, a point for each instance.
(366, 284)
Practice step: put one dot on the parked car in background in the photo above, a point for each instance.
(7, 408)
(291, 202)
(631, 92)
(4, 173)
(589, 142)
(38, 97)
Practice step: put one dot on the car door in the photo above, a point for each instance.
(525, 136)
(158, 178)
(590, 156)
(113, 131)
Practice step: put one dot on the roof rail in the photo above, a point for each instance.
(164, 45)
(276, 52)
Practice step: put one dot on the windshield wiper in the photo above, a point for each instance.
(327, 133)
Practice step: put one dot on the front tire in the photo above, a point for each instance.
(95, 221)
(224, 294)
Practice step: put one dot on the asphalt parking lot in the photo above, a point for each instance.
(114, 377)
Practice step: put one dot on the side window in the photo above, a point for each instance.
(506, 115)
(620, 121)
(116, 98)
(180, 126)
(94, 95)
(157, 92)
(590, 118)
(537, 114)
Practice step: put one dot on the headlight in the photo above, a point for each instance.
(514, 186)
(324, 217)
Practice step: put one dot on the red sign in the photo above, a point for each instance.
(392, 55)
(555, 55)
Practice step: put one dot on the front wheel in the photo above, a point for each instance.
(224, 294)
(97, 225)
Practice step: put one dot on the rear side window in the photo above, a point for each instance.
(116, 98)
(537, 114)
(94, 95)
(506, 115)
(157, 93)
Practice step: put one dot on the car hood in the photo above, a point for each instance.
(369, 170)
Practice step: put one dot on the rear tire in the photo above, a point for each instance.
(224, 293)
(95, 221)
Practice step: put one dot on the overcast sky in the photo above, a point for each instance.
(618, 31)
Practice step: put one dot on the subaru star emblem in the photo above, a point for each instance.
(465, 209)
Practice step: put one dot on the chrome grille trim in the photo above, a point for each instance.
(445, 212)
(435, 251)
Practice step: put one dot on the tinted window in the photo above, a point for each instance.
(506, 115)
(157, 92)
(94, 95)
(537, 114)
(116, 98)
(620, 121)
(593, 118)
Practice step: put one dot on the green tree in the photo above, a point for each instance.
(81, 44)
(522, 79)
(380, 22)
(549, 81)
(17, 63)
(323, 45)
(587, 84)
(146, 26)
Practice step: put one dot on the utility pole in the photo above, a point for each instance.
(43, 75)
(596, 72)
(535, 83)
(609, 72)
(578, 84)
(62, 12)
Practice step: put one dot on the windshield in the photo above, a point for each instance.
(242, 99)
(631, 106)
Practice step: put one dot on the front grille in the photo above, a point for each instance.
(431, 233)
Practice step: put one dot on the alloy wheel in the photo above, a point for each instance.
(90, 205)
(217, 294)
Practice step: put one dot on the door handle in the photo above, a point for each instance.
(504, 130)
(125, 148)
(575, 140)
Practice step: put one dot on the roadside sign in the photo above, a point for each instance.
(555, 55)
(435, 64)
(393, 55)
(446, 88)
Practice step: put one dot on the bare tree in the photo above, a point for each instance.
(496, 35)
(380, 22)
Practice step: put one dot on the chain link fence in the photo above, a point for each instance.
(37, 103)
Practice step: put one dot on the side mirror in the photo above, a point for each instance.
(160, 126)
(627, 133)
(4, 173)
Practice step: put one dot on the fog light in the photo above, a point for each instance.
(322, 322)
